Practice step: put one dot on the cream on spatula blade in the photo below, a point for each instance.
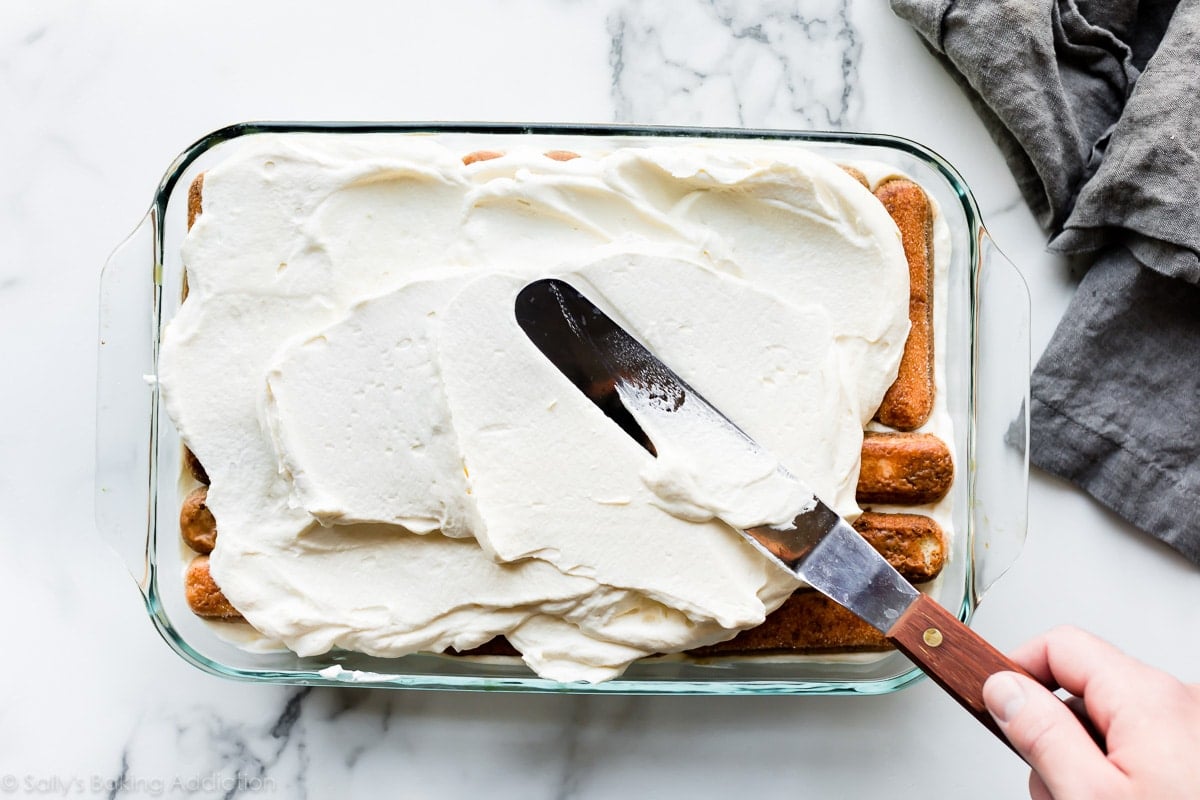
(654, 405)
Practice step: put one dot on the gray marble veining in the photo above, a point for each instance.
(200, 751)
(766, 63)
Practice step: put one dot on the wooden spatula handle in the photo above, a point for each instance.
(959, 660)
(952, 654)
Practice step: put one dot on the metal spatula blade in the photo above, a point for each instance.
(609, 364)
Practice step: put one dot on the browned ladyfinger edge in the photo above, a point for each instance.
(194, 201)
(909, 401)
(480, 155)
(194, 467)
(809, 623)
(196, 523)
(203, 595)
(904, 468)
(912, 543)
(857, 175)
(561, 155)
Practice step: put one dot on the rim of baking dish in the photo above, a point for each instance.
(325, 671)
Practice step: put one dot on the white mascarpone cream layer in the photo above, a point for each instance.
(395, 467)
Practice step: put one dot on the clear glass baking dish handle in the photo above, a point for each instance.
(1000, 451)
(125, 395)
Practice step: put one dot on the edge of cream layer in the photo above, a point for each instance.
(288, 374)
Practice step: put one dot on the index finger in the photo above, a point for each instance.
(1083, 664)
(1068, 657)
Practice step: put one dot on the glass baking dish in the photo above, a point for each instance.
(138, 456)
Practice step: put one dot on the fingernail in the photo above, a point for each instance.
(1004, 696)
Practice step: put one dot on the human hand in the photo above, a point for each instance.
(1150, 721)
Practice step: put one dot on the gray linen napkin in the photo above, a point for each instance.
(1096, 106)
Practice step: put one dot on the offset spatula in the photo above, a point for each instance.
(820, 547)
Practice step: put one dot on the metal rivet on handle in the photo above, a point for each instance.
(932, 637)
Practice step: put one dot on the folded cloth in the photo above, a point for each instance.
(1094, 105)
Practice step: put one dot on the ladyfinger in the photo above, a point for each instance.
(480, 155)
(196, 523)
(203, 595)
(197, 526)
(195, 190)
(909, 400)
(912, 543)
(904, 468)
(194, 467)
(807, 622)
(194, 207)
(857, 175)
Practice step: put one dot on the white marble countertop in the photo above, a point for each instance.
(99, 98)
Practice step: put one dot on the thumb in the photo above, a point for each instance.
(1046, 734)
